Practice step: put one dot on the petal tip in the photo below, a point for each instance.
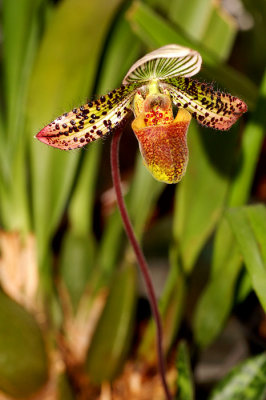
(42, 136)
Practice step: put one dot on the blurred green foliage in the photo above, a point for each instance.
(55, 55)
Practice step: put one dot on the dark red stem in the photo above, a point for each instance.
(139, 255)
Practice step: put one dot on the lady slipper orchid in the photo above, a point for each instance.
(152, 86)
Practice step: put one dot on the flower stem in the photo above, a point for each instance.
(139, 255)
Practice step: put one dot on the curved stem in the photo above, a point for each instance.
(139, 255)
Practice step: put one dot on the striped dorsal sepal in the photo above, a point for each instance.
(165, 62)
(211, 108)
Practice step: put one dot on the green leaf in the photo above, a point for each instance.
(192, 17)
(220, 33)
(217, 298)
(21, 32)
(119, 56)
(216, 301)
(64, 74)
(76, 263)
(246, 381)
(113, 333)
(249, 227)
(81, 205)
(18, 23)
(201, 194)
(23, 360)
(185, 387)
(252, 140)
(207, 22)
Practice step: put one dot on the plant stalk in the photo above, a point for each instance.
(139, 255)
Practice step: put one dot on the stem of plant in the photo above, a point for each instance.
(140, 257)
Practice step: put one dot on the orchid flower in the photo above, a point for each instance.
(150, 89)
(153, 89)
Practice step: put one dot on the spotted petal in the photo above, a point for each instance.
(213, 109)
(90, 121)
(165, 62)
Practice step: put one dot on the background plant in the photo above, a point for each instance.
(64, 256)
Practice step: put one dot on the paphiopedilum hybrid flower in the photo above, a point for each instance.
(152, 86)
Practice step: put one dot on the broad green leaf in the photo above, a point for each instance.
(192, 17)
(185, 387)
(201, 195)
(249, 227)
(113, 333)
(18, 23)
(244, 287)
(15, 207)
(252, 140)
(64, 74)
(23, 360)
(257, 218)
(255, 15)
(81, 205)
(207, 22)
(21, 32)
(155, 31)
(110, 246)
(118, 56)
(163, 6)
(220, 33)
(246, 381)
(76, 263)
(217, 298)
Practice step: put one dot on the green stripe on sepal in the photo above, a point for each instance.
(247, 381)
(165, 62)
